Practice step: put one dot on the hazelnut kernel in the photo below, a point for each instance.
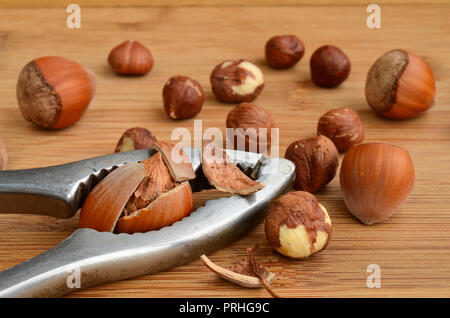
(297, 225)
(329, 66)
(316, 161)
(130, 58)
(251, 126)
(342, 126)
(236, 81)
(284, 51)
(183, 97)
(134, 139)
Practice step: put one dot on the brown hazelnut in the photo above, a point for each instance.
(376, 178)
(284, 51)
(342, 126)
(130, 58)
(183, 97)
(400, 85)
(297, 225)
(134, 139)
(250, 127)
(316, 161)
(53, 92)
(3, 155)
(236, 81)
(329, 66)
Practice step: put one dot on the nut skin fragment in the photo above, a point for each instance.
(400, 85)
(53, 92)
(316, 161)
(223, 174)
(130, 58)
(376, 178)
(183, 97)
(284, 51)
(245, 116)
(236, 81)
(329, 66)
(3, 155)
(135, 138)
(342, 126)
(297, 225)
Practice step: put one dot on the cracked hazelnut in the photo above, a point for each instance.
(137, 197)
(134, 139)
(53, 92)
(3, 155)
(236, 81)
(316, 161)
(329, 66)
(342, 126)
(297, 225)
(250, 127)
(130, 58)
(284, 51)
(400, 85)
(183, 97)
(376, 178)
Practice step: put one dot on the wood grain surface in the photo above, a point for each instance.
(412, 248)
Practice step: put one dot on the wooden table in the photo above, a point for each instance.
(412, 248)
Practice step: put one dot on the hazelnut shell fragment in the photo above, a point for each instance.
(329, 66)
(130, 58)
(176, 160)
(284, 51)
(297, 225)
(400, 85)
(342, 126)
(183, 97)
(236, 81)
(316, 161)
(251, 126)
(53, 92)
(135, 138)
(223, 174)
(376, 178)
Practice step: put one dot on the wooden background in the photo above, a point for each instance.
(412, 248)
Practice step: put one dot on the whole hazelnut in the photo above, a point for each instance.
(130, 58)
(284, 51)
(53, 92)
(183, 97)
(329, 66)
(134, 139)
(342, 126)
(236, 81)
(250, 126)
(316, 161)
(400, 85)
(3, 155)
(376, 178)
(297, 225)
